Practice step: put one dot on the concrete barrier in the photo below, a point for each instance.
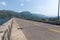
(5, 30)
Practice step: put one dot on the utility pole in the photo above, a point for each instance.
(58, 10)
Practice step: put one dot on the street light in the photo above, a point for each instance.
(58, 10)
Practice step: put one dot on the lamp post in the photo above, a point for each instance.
(58, 10)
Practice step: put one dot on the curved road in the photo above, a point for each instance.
(39, 31)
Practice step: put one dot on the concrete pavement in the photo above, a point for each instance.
(16, 34)
(39, 31)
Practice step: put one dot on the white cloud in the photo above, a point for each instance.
(21, 4)
(3, 3)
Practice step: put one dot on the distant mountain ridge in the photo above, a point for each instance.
(40, 15)
(25, 15)
(9, 13)
(29, 16)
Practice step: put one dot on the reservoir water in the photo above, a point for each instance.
(3, 21)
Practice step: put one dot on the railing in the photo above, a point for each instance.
(5, 30)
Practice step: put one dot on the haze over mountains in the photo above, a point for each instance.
(25, 15)
(9, 13)
(28, 16)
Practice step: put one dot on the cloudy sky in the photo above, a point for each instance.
(46, 7)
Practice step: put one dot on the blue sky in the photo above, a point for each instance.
(46, 7)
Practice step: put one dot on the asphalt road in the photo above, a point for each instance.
(39, 31)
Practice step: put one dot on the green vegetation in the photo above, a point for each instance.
(7, 14)
(29, 16)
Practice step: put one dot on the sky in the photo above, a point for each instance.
(45, 7)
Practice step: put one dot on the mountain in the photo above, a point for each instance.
(25, 15)
(7, 14)
(31, 16)
(39, 15)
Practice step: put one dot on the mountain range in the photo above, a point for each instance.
(25, 15)
(28, 16)
(9, 13)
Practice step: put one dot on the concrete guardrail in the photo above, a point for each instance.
(5, 30)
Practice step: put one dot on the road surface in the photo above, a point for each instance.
(38, 30)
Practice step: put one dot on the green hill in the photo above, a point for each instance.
(7, 14)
